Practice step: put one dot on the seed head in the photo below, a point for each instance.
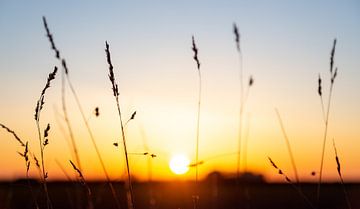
(319, 86)
(237, 36)
(195, 50)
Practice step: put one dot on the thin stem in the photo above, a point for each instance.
(67, 121)
(324, 143)
(241, 110)
(44, 174)
(152, 200)
(341, 178)
(37, 165)
(302, 195)
(333, 74)
(246, 139)
(288, 180)
(196, 196)
(345, 192)
(77, 100)
(322, 108)
(198, 128)
(131, 201)
(65, 71)
(116, 94)
(31, 190)
(27, 165)
(63, 170)
(288, 146)
(13, 133)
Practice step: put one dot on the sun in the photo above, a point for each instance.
(179, 164)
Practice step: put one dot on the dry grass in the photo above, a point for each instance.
(333, 74)
(288, 180)
(196, 195)
(244, 94)
(75, 150)
(43, 137)
(25, 156)
(288, 146)
(338, 168)
(27, 164)
(14, 134)
(43, 140)
(63, 92)
(83, 182)
(115, 89)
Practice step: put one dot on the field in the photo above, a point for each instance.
(215, 193)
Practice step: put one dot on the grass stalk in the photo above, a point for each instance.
(246, 142)
(63, 170)
(116, 95)
(42, 139)
(111, 186)
(333, 74)
(241, 106)
(288, 146)
(67, 121)
(70, 197)
(295, 186)
(17, 138)
(340, 176)
(243, 98)
(25, 155)
(150, 156)
(196, 196)
(86, 186)
(37, 164)
(77, 100)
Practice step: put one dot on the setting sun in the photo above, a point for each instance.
(179, 164)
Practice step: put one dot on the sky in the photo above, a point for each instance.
(285, 46)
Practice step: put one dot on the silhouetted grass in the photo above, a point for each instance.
(340, 176)
(243, 97)
(196, 189)
(195, 50)
(288, 180)
(83, 182)
(333, 74)
(288, 146)
(43, 140)
(116, 94)
(13, 133)
(66, 72)
(63, 92)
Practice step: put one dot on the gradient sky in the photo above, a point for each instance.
(285, 45)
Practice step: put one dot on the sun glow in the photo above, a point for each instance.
(179, 164)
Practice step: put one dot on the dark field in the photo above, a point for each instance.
(214, 193)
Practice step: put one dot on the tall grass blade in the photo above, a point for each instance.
(130, 196)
